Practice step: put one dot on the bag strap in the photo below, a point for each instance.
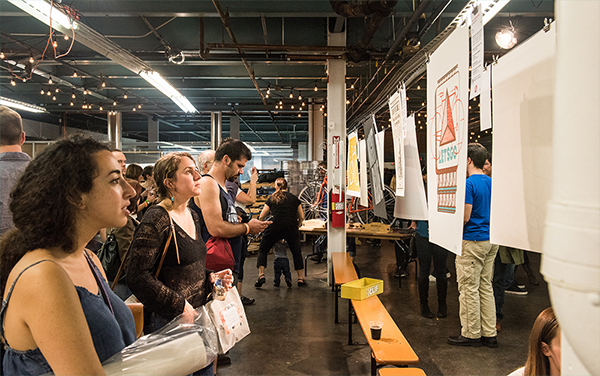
(162, 258)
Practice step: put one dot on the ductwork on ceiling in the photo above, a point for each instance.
(378, 11)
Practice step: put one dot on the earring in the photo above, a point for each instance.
(172, 198)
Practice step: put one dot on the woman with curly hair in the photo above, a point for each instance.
(183, 283)
(66, 194)
(544, 347)
(287, 218)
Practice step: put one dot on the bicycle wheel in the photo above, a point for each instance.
(312, 207)
(365, 215)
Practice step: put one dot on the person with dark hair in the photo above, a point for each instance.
(66, 194)
(544, 353)
(121, 159)
(147, 175)
(288, 216)
(134, 171)
(475, 265)
(183, 283)
(217, 207)
(12, 161)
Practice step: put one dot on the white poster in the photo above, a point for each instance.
(398, 131)
(485, 111)
(403, 110)
(414, 203)
(374, 170)
(476, 51)
(447, 127)
(380, 154)
(523, 82)
(353, 179)
(362, 156)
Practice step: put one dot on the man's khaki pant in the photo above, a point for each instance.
(474, 271)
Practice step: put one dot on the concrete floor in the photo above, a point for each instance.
(293, 332)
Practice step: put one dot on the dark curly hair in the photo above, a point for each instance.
(45, 199)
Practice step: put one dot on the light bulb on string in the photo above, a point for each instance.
(42, 92)
(54, 44)
(73, 95)
(31, 60)
(71, 104)
(114, 103)
(2, 56)
(50, 81)
(74, 73)
(299, 97)
(291, 94)
(299, 115)
(303, 104)
(56, 90)
(13, 83)
(140, 105)
(66, 37)
(316, 88)
(352, 86)
(124, 96)
(101, 108)
(49, 93)
(54, 97)
(103, 84)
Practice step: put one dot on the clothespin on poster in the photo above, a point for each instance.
(495, 59)
(427, 58)
(547, 24)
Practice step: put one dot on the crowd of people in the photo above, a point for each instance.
(175, 223)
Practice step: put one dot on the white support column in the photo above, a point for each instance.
(114, 129)
(215, 130)
(153, 131)
(336, 143)
(234, 127)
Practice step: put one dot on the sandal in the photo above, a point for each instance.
(261, 281)
(301, 282)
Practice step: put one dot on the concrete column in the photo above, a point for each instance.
(114, 129)
(315, 132)
(336, 142)
(215, 129)
(234, 127)
(153, 131)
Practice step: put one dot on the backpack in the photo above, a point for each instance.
(109, 257)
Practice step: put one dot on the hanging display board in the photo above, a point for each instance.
(485, 110)
(362, 155)
(476, 51)
(447, 127)
(398, 120)
(353, 177)
(380, 137)
(374, 169)
(414, 203)
(523, 84)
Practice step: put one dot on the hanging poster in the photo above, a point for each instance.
(523, 82)
(353, 179)
(374, 169)
(380, 153)
(414, 203)
(447, 127)
(476, 51)
(398, 131)
(485, 110)
(364, 189)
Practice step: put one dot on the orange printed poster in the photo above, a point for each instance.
(353, 188)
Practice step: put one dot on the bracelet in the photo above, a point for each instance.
(247, 228)
(147, 202)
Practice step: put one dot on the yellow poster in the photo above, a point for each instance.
(352, 171)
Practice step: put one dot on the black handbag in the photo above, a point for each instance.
(109, 257)
(412, 246)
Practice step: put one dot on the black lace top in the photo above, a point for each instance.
(176, 282)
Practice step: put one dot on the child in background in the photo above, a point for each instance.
(281, 264)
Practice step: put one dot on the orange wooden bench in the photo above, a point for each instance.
(343, 272)
(392, 348)
(403, 371)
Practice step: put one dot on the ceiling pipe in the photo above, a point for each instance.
(225, 21)
(275, 47)
(380, 11)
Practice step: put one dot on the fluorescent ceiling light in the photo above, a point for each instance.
(52, 16)
(167, 89)
(20, 105)
(44, 12)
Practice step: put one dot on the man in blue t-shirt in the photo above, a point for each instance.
(475, 267)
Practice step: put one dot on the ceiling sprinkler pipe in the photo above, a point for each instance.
(571, 261)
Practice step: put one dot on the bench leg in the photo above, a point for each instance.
(349, 322)
(336, 303)
(373, 365)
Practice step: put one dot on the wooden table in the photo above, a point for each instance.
(360, 233)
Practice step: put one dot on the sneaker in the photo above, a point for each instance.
(432, 277)
(404, 274)
(247, 301)
(316, 258)
(516, 290)
(520, 285)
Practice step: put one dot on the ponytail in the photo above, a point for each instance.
(280, 186)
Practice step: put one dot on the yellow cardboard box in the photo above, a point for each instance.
(362, 289)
